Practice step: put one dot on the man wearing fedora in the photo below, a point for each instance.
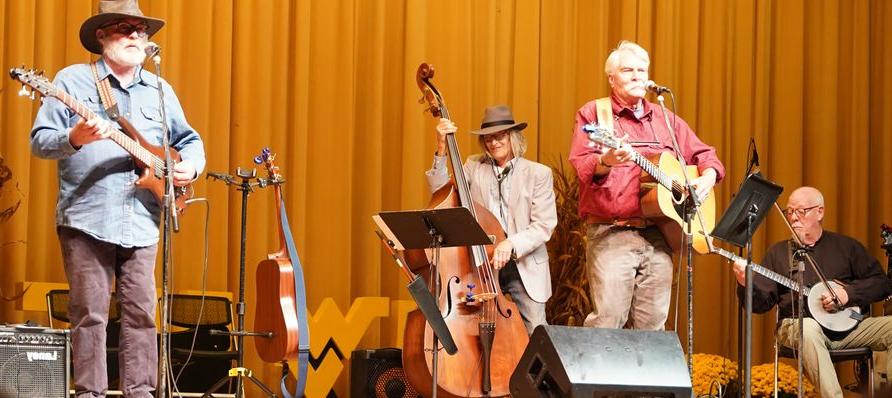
(107, 226)
(628, 259)
(520, 194)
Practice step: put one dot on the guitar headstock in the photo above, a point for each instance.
(600, 135)
(34, 79)
(268, 159)
(886, 233)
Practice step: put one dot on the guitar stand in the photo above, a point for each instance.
(240, 371)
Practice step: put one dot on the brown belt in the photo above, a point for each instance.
(631, 222)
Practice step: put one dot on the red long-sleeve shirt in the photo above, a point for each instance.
(616, 195)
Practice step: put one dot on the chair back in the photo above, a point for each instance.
(57, 301)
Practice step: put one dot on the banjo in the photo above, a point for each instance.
(840, 321)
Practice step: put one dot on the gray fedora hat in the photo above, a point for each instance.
(110, 10)
(498, 118)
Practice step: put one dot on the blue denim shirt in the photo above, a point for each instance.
(97, 194)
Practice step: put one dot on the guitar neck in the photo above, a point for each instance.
(128, 144)
(774, 276)
(650, 168)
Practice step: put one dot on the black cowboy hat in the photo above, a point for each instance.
(110, 10)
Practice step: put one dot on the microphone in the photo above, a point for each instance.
(501, 176)
(152, 48)
(655, 88)
(153, 51)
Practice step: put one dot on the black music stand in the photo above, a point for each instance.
(432, 229)
(737, 226)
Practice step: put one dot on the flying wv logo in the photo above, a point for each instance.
(334, 335)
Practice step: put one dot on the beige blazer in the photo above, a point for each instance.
(531, 219)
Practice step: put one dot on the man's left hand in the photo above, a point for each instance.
(704, 183)
(183, 173)
(502, 254)
(827, 299)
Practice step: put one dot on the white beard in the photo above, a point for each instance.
(118, 53)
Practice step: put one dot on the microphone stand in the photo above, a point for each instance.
(170, 225)
(691, 207)
(799, 255)
(437, 242)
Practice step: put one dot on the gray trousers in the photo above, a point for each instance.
(873, 332)
(531, 311)
(630, 276)
(91, 266)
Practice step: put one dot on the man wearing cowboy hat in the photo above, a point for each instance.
(520, 194)
(107, 226)
(628, 259)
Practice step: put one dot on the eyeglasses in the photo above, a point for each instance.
(496, 136)
(126, 28)
(799, 212)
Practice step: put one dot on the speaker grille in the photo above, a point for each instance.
(33, 364)
(379, 373)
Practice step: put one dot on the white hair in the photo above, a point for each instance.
(624, 46)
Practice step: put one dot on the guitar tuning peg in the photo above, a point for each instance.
(32, 95)
(258, 159)
(23, 92)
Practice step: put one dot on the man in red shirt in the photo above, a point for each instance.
(629, 262)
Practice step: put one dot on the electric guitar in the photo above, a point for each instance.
(663, 193)
(840, 321)
(148, 157)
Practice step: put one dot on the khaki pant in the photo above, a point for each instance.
(875, 333)
(630, 274)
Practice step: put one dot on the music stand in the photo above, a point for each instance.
(737, 226)
(426, 229)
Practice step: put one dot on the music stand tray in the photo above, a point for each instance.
(755, 190)
(413, 229)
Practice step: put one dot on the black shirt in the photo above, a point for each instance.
(839, 257)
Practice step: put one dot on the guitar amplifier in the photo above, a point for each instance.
(34, 362)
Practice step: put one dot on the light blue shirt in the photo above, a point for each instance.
(97, 194)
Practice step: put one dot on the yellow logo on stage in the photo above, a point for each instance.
(333, 336)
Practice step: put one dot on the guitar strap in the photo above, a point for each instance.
(604, 108)
(106, 95)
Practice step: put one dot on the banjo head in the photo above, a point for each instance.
(840, 321)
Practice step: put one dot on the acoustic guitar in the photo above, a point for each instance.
(663, 193)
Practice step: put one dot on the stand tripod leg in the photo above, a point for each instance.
(238, 373)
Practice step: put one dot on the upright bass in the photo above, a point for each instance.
(487, 328)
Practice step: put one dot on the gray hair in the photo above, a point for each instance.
(624, 46)
(517, 139)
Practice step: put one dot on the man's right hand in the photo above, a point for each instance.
(85, 132)
(443, 128)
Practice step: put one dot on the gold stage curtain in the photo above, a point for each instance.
(329, 86)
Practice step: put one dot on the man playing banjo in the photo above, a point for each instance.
(852, 273)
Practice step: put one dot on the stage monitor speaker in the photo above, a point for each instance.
(379, 373)
(563, 361)
(33, 362)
